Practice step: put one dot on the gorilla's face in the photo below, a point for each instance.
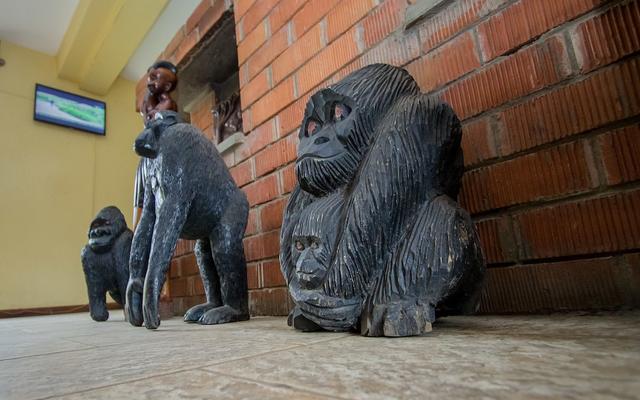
(146, 144)
(311, 257)
(329, 151)
(105, 228)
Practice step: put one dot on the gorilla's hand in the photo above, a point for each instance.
(133, 305)
(150, 310)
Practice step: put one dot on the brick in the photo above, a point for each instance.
(310, 14)
(212, 17)
(189, 265)
(269, 302)
(608, 37)
(620, 151)
(526, 71)
(241, 7)
(478, 143)
(288, 177)
(271, 274)
(267, 52)
(262, 246)
(252, 223)
(290, 118)
(271, 214)
(497, 240)
(187, 45)
(396, 50)
(558, 171)
(195, 16)
(283, 13)
(297, 54)
(445, 64)
(453, 19)
(179, 287)
(261, 190)
(174, 269)
(255, 89)
(242, 173)
(175, 41)
(184, 247)
(276, 155)
(606, 96)
(198, 286)
(275, 100)
(591, 284)
(256, 14)
(251, 43)
(192, 301)
(383, 20)
(525, 21)
(598, 225)
(258, 139)
(327, 62)
(345, 15)
(252, 276)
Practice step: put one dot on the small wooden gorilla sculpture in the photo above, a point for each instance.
(105, 260)
(189, 193)
(372, 238)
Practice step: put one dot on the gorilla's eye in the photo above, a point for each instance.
(299, 245)
(312, 127)
(340, 112)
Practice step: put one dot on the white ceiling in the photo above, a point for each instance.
(36, 24)
(158, 37)
(40, 25)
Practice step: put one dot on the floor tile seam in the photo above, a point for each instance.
(47, 354)
(295, 389)
(166, 373)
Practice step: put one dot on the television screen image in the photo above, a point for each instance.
(67, 109)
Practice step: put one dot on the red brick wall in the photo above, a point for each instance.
(549, 95)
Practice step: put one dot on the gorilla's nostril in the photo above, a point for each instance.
(321, 140)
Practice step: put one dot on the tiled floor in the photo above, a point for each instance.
(555, 357)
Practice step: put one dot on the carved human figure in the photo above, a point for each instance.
(372, 238)
(162, 79)
(105, 260)
(189, 194)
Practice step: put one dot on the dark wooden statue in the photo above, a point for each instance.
(228, 118)
(105, 260)
(189, 194)
(372, 238)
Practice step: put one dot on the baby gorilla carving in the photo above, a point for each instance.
(189, 194)
(372, 238)
(105, 260)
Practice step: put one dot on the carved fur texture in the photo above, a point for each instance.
(372, 237)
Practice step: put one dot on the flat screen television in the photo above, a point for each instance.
(71, 110)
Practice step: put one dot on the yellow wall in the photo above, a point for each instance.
(53, 180)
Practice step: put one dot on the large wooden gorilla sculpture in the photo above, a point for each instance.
(105, 260)
(189, 193)
(372, 238)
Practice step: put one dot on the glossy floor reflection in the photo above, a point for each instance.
(509, 357)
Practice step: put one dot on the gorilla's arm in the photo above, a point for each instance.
(138, 260)
(171, 218)
(399, 173)
(95, 286)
